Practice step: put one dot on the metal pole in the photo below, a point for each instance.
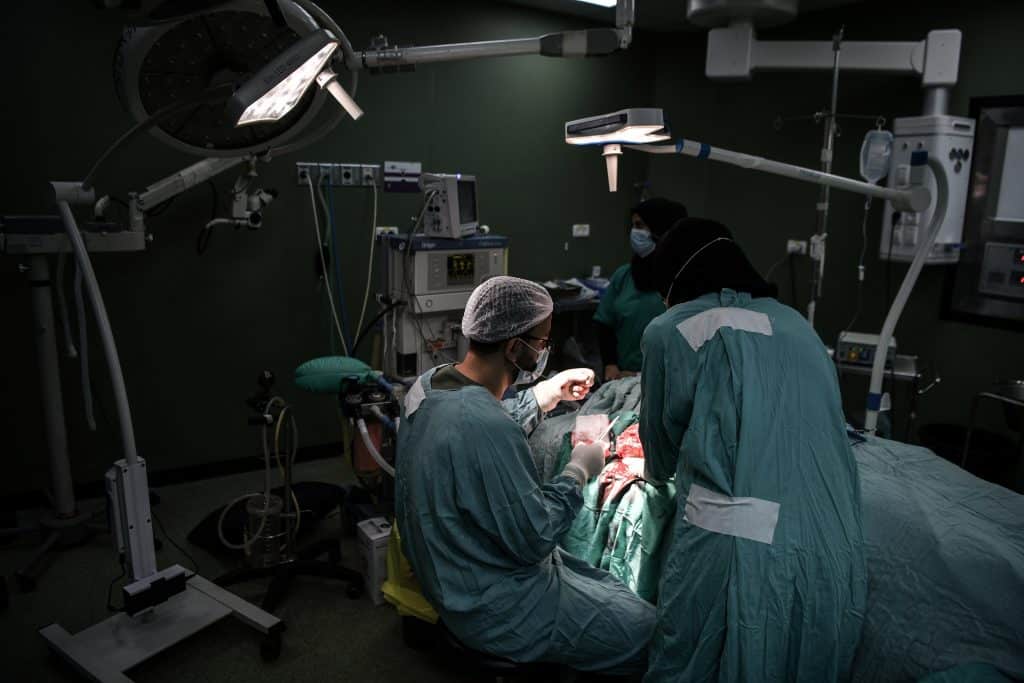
(49, 379)
(936, 101)
(827, 153)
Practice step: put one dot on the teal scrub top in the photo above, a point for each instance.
(628, 311)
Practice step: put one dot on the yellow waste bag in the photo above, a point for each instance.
(401, 588)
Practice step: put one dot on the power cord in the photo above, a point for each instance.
(323, 263)
(369, 265)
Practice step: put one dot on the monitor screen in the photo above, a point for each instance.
(467, 201)
(461, 269)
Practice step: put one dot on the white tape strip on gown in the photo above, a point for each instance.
(700, 328)
(751, 518)
(415, 397)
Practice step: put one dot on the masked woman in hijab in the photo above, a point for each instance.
(764, 577)
(631, 300)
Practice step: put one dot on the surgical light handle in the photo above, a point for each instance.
(915, 198)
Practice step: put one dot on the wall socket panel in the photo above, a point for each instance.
(339, 175)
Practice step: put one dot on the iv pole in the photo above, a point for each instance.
(817, 246)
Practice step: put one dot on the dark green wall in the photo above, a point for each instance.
(194, 331)
(764, 210)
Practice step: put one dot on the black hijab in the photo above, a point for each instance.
(659, 215)
(714, 263)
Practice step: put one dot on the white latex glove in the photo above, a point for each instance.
(568, 385)
(586, 461)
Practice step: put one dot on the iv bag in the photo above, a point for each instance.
(875, 154)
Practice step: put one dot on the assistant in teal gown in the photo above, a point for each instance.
(481, 534)
(765, 577)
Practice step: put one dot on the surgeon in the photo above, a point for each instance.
(631, 300)
(479, 529)
(764, 578)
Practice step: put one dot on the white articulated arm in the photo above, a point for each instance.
(735, 53)
(175, 184)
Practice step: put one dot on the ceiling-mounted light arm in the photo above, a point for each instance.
(645, 130)
(914, 198)
(587, 43)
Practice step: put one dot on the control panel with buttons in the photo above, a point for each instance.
(856, 348)
(1002, 270)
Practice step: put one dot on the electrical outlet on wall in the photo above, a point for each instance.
(349, 175)
(370, 175)
(304, 172)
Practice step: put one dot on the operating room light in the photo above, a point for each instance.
(626, 127)
(602, 3)
(276, 89)
(283, 97)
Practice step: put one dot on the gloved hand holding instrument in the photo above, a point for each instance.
(568, 385)
(586, 461)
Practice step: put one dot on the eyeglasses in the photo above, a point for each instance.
(546, 342)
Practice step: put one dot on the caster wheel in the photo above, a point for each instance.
(26, 584)
(354, 591)
(270, 647)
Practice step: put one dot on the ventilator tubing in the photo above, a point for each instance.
(372, 450)
(881, 355)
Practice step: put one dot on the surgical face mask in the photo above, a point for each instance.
(641, 242)
(531, 376)
(668, 297)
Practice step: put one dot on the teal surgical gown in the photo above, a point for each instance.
(481, 534)
(764, 578)
(627, 310)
